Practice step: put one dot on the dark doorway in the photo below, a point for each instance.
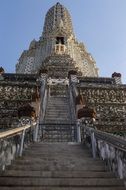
(60, 40)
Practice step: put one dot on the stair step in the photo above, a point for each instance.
(56, 120)
(58, 155)
(53, 122)
(57, 117)
(58, 166)
(58, 146)
(53, 119)
(58, 151)
(58, 112)
(58, 98)
(58, 174)
(57, 137)
(60, 116)
(62, 157)
(60, 188)
(57, 162)
(62, 109)
(52, 140)
(57, 102)
(62, 167)
(48, 118)
(59, 182)
(51, 108)
(59, 105)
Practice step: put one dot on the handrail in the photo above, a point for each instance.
(115, 141)
(13, 132)
(43, 92)
(109, 147)
(43, 100)
(13, 141)
(72, 105)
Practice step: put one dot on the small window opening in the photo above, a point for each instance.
(60, 40)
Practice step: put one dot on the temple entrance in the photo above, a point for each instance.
(60, 40)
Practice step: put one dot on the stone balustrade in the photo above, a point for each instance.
(110, 148)
(12, 142)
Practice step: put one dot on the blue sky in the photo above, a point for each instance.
(100, 24)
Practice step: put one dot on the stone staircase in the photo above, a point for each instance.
(57, 125)
(59, 65)
(57, 110)
(58, 166)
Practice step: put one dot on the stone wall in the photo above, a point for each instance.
(109, 101)
(15, 94)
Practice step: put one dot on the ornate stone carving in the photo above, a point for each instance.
(60, 81)
(57, 39)
(109, 102)
(15, 91)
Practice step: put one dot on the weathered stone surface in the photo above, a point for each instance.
(60, 166)
(15, 91)
(109, 101)
(57, 39)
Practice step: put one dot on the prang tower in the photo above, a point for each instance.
(57, 50)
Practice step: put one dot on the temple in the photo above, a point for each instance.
(58, 93)
(58, 49)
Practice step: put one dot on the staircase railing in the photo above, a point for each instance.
(42, 107)
(12, 143)
(72, 102)
(110, 148)
(43, 102)
(58, 132)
